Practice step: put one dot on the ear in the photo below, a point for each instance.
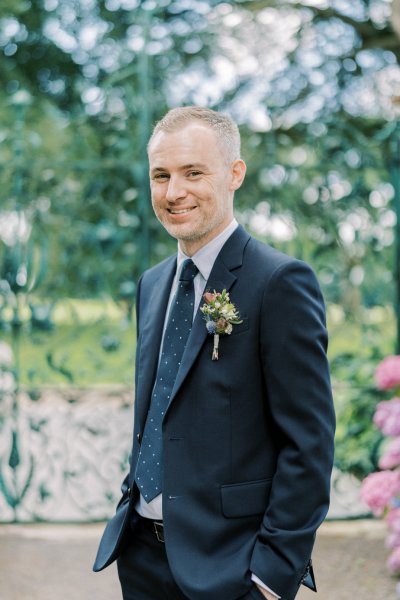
(238, 172)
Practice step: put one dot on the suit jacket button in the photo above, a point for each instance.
(139, 438)
(128, 491)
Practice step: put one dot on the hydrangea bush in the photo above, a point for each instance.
(381, 490)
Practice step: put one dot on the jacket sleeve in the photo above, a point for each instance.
(293, 344)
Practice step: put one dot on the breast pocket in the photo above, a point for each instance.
(245, 499)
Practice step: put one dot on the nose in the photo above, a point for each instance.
(176, 189)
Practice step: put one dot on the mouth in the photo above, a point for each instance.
(180, 211)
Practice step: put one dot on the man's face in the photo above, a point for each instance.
(191, 185)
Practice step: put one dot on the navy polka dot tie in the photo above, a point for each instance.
(149, 468)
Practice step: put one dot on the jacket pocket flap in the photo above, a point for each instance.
(245, 499)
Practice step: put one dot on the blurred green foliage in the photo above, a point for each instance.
(311, 87)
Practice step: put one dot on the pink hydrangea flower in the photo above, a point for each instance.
(387, 416)
(387, 374)
(391, 456)
(393, 561)
(393, 520)
(378, 489)
(393, 540)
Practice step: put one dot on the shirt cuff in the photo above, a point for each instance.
(262, 584)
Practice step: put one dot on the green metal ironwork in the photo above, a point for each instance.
(15, 488)
(394, 146)
(145, 112)
(26, 469)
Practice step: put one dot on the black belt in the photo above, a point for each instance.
(156, 527)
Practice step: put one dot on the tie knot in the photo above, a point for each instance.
(188, 271)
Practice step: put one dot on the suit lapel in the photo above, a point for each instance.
(221, 277)
(151, 335)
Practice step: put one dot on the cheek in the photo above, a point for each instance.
(156, 197)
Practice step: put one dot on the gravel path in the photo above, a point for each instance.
(53, 562)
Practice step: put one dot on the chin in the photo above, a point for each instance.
(190, 232)
(185, 234)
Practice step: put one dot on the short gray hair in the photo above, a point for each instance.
(226, 130)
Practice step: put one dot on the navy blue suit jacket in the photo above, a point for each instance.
(247, 439)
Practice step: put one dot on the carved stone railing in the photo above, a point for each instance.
(63, 457)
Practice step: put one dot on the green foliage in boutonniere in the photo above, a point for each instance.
(220, 315)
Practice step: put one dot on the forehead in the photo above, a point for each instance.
(193, 143)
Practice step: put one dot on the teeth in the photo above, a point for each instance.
(180, 212)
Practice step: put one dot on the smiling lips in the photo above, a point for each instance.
(182, 211)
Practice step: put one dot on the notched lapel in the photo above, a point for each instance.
(151, 335)
(221, 277)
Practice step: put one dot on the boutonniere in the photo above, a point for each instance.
(220, 315)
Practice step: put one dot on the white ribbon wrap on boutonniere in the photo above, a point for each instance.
(220, 315)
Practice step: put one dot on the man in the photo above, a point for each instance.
(233, 433)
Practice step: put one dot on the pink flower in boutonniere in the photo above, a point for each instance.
(220, 315)
(209, 297)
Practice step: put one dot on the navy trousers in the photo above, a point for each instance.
(143, 568)
(144, 572)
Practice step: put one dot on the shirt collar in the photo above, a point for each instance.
(205, 257)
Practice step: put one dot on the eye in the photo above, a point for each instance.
(160, 176)
(194, 173)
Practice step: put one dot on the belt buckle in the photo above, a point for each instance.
(159, 531)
